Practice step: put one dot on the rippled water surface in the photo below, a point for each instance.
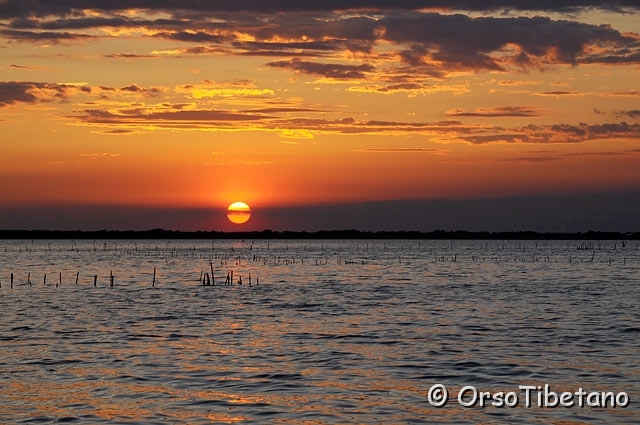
(320, 332)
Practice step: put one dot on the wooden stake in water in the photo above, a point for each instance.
(213, 279)
(77, 277)
(11, 280)
(29, 279)
(95, 280)
(111, 277)
(153, 284)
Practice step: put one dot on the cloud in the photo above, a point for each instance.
(140, 116)
(424, 43)
(12, 92)
(48, 36)
(634, 113)
(231, 89)
(130, 56)
(102, 155)
(400, 150)
(338, 71)
(192, 37)
(306, 123)
(25, 67)
(497, 112)
(559, 133)
(132, 88)
(21, 8)
(556, 93)
(117, 132)
(550, 157)
(463, 41)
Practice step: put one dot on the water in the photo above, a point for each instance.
(329, 332)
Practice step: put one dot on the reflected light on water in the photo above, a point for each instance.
(320, 341)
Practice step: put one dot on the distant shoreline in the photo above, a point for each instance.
(323, 234)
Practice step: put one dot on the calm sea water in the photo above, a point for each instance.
(328, 332)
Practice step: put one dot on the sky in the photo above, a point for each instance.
(377, 115)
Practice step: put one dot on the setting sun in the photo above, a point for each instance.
(238, 213)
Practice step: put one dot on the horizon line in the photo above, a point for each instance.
(160, 233)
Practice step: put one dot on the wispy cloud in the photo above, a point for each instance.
(498, 112)
(535, 158)
(400, 150)
(26, 67)
(46, 36)
(633, 113)
(305, 123)
(329, 70)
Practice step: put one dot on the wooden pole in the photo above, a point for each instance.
(153, 284)
(77, 277)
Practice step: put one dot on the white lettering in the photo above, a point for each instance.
(474, 398)
(527, 393)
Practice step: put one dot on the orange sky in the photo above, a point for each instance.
(202, 106)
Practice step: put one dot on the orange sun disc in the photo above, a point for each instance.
(238, 213)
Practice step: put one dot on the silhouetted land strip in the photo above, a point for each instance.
(324, 234)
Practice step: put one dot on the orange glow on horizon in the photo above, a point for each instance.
(191, 117)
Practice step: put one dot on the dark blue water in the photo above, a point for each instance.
(328, 332)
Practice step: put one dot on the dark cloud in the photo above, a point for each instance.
(338, 71)
(561, 212)
(399, 150)
(132, 88)
(21, 8)
(428, 43)
(279, 110)
(550, 157)
(117, 131)
(498, 112)
(138, 116)
(559, 93)
(634, 113)
(559, 133)
(48, 36)
(464, 41)
(12, 92)
(28, 68)
(147, 91)
(130, 56)
(197, 37)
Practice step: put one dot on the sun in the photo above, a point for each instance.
(238, 213)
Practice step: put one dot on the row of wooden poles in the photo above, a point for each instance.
(59, 282)
(206, 279)
(210, 280)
